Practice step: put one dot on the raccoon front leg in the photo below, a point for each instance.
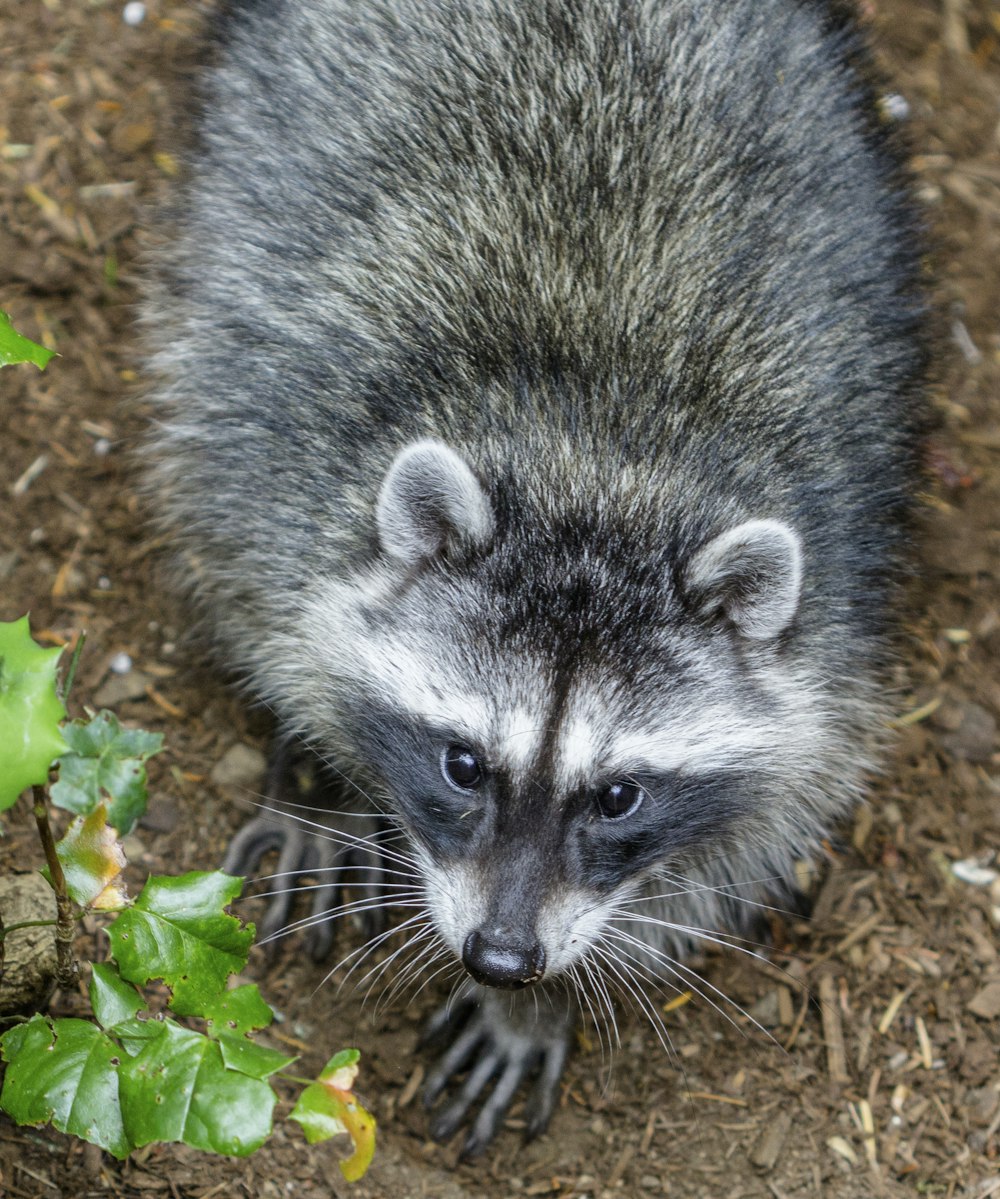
(318, 831)
(507, 1038)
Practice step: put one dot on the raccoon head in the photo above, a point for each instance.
(556, 712)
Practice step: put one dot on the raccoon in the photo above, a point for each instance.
(539, 412)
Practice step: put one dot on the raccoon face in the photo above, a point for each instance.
(549, 738)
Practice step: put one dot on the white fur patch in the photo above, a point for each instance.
(455, 900)
(519, 737)
(578, 749)
(405, 676)
(568, 925)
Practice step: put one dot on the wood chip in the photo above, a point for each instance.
(843, 1149)
(412, 1086)
(24, 481)
(161, 701)
(833, 1030)
(867, 1122)
(716, 1098)
(895, 1004)
(926, 1056)
(765, 1153)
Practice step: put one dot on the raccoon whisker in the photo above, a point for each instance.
(725, 940)
(626, 915)
(605, 1002)
(363, 951)
(462, 983)
(410, 974)
(694, 981)
(685, 974)
(621, 974)
(321, 831)
(685, 886)
(341, 774)
(583, 992)
(419, 919)
(401, 890)
(365, 904)
(424, 963)
(426, 949)
(410, 951)
(451, 965)
(301, 872)
(303, 743)
(692, 887)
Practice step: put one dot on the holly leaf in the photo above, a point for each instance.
(92, 858)
(30, 711)
(177, 931)
(178, 1088)
(328, 1107)
(105, 760)
(238, 1011)
(64, 1072)
(112, 999)
(256, 1061)
(15, 348)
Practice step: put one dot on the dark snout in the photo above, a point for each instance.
(500, 958)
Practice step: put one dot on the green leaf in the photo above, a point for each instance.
(177, 931)
(113, 999)
(328, 1107)
(240, 1010)
(92, 858)
(179, 1089)
(230, 1017)
(64, 1072)
(134, 1035)
(105, 759)
(30, 711)
(256, 1061)
(14, 348)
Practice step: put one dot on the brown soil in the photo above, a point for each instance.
(881, 1074)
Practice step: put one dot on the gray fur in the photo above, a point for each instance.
(545, 376)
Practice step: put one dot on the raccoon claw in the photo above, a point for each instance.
(309, 846)
(504, 1052)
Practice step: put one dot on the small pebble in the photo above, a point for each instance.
(895, 106)
(120, 663)
(102, 447)
(975, 872)
(240, 766)
(986, 1003)
(120, 688)
(975, 737)
(134, 13)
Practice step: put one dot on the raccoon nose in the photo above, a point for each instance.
(496, 963)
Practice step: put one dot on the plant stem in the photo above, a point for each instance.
(6, 929)
(66, 970)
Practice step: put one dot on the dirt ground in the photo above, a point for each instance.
(880, 1075)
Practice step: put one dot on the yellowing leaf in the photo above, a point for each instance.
(92, 859)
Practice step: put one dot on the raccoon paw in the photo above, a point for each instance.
(315, 834)
(504, 1045)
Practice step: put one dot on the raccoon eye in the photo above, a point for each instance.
(461, 767)
(620, 799)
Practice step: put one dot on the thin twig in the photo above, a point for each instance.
(66, 969)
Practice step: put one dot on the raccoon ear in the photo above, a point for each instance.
(753, 572)
(429, 499)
